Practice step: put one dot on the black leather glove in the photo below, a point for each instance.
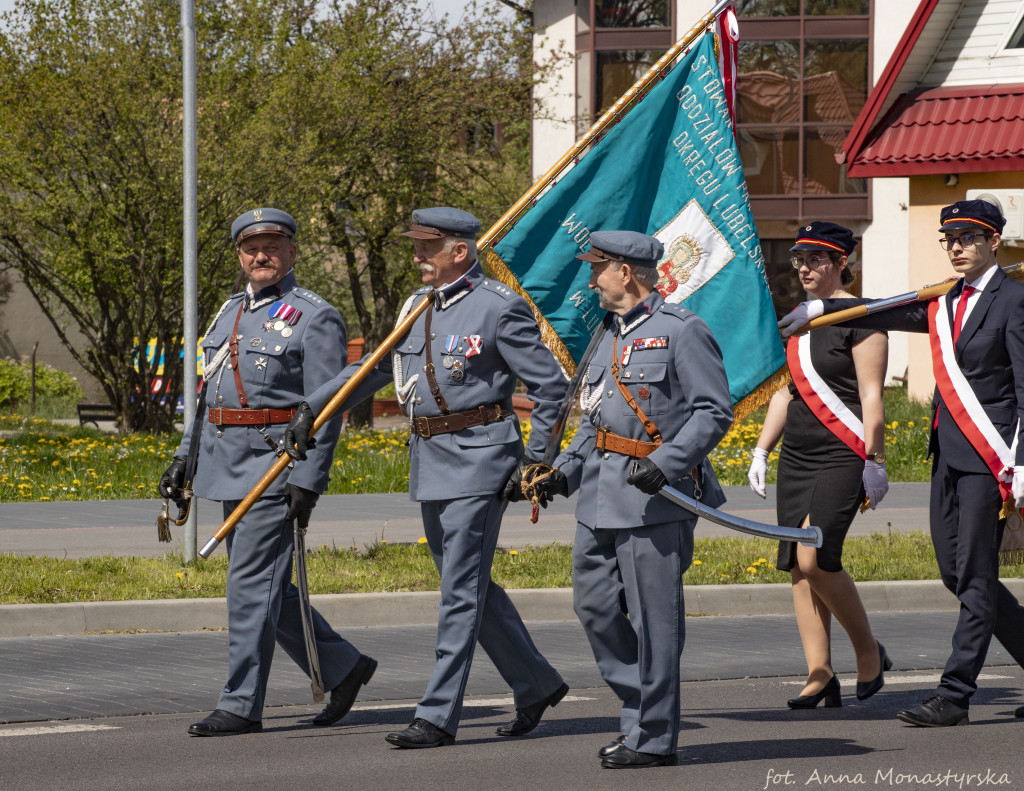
(647, 477)
(172, 480)
(547, 488)
(170, 487)
(300, 503)
(296, 437)
(513, 488)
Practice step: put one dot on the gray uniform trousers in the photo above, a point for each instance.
(263, 606)
(462, 534)
(628, 594)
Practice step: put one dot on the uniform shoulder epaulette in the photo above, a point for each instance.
(497, 287)
(310, 297)
(677, 310)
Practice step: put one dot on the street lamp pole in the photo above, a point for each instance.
(190, 237)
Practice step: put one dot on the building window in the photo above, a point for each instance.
(624, 40)
(803, 78)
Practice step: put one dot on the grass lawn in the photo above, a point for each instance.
(41, 460)
(386, 567)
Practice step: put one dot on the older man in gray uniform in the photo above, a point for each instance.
(656, 402)
(264, 351)
(455, 372)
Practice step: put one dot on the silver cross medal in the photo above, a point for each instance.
(261, 364)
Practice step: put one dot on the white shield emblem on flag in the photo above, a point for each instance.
(695, 251)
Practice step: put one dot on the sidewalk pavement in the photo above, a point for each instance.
(110, 675)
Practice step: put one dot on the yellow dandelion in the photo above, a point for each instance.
(698, 563)
(513, 552)
(422, 540)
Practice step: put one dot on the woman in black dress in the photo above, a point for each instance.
(833, 421)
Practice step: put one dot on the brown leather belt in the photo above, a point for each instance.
(607, 441)
(250, 417)
(456, 421)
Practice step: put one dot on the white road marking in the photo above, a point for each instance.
(470, 703)
(43, 730)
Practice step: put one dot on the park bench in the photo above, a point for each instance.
(91, 413)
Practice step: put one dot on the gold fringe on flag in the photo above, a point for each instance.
(761, 395)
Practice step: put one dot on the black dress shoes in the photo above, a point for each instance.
(608, 749)
(865, 689)
(528, 717)
(936, 712)
(420, 734)
(224, 723)
(344, 695)
(1019, 711)
(624, 758)
(829, 693)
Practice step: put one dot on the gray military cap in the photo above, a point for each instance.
(262, 221)
(630, 247)
(442, 221)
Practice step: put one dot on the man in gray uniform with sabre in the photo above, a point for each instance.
(455, 372)
(266, 349)
(656, 402)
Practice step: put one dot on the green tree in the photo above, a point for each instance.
(349, 120)
(391, 111)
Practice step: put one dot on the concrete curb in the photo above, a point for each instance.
(354, 610)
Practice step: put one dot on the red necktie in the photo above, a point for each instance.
(961, 308)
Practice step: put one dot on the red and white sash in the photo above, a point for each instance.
(963, 404)
(823, 402)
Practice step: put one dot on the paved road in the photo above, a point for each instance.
(110, 712)
(127, 527)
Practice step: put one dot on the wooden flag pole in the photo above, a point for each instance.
(1016, 271)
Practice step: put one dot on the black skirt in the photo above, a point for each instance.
(821, 477)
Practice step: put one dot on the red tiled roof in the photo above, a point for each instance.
(946, 130)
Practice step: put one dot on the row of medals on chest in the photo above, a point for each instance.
(451, 364)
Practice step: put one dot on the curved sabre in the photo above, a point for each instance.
(308, 634)
(811, 536)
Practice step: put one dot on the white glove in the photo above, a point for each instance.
(758, 470)
(800, 315)
(876, 482)
(1018, 487)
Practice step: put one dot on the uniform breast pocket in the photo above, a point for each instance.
(648, 382)
(268, 363)
(210, 344)
(411, 352)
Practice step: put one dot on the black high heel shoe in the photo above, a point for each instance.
(829, 693)
(865, 689)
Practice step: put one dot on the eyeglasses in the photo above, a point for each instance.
(965, 240)
(811, 262)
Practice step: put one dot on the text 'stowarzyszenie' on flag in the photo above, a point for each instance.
(669, 168)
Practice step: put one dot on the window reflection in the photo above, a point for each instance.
(771, 160)
(835, 79)
(631, 13)
(769, 92)
(822, 175)
(767, 7)
(617, 70)
(776, 8)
